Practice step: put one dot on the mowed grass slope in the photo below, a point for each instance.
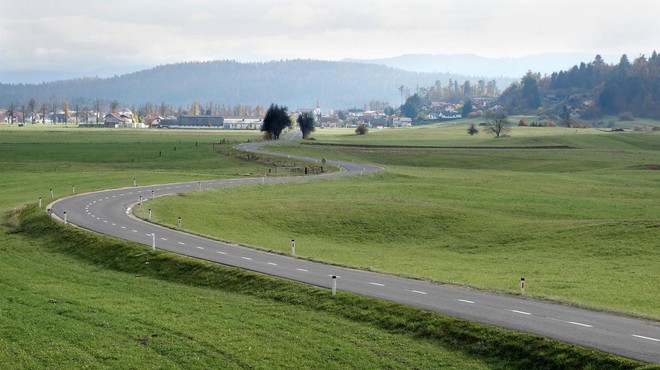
(581, 225)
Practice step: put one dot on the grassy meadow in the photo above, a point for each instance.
(579, 220)
(72, 299)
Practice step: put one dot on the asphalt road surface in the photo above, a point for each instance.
(109, 212)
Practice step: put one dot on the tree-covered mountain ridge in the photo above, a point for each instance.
(294, 83)
(591, 90)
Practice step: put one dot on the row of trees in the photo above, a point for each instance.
(453, 92)
(41, 112)
(62, 112)
(277, 119)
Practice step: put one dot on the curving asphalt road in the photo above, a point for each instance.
(109, 212)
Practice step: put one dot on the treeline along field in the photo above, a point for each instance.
(581, 225)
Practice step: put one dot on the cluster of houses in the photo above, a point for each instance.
(125, 118)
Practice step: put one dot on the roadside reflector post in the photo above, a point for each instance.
(140, 201)
(334, 285)
(73, 189)
(39, 202)
(152, 194)
(51, 193)
(153, 241)
(65, 222)
(522, 285)
(293, 247)
(134, 182)
(179, 223)
(149, 214)
(199, 183)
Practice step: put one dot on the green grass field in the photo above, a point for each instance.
(581, 225)
(70, 299)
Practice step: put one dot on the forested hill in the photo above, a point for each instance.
(591, 90)
(295, 83)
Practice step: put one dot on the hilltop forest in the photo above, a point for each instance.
(294, 83)
(591, 90)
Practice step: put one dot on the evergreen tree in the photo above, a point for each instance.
(306, 124)
(275, 121)
(530, 91)
(467, 108)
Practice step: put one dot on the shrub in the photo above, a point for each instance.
(362, 129)
(522, 123)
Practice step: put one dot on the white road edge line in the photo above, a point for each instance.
(647, 338)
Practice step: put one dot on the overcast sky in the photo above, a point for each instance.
(88, 34)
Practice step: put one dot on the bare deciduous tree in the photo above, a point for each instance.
(498, 125)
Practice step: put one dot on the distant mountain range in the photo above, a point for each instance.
(470, 64)
(294, 83)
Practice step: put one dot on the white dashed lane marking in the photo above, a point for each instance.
(465, 301)
(377, 284)
(220, 252)
(579, 324)
(302, 270)
(272, 264)
(418, 292)
(247, 258)
(647, 338)
(182, 243)
(199, 248)
(521, 312)
(163, 239)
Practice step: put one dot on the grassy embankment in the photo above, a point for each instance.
(71, 299)
(581, 225)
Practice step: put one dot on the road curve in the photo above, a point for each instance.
(109, 212)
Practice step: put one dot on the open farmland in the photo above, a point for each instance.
(579, 220)
(76, 300)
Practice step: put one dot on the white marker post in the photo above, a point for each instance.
(39, 202)
(293, 247)
(334, 285)
(51, 194)
(522, 285)
(153, 241)
(140, 201)
(179, 222)
(65, 222)
(199, 183)
(149, 214)
(73, 189)
(134, 183)
(152, 194)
